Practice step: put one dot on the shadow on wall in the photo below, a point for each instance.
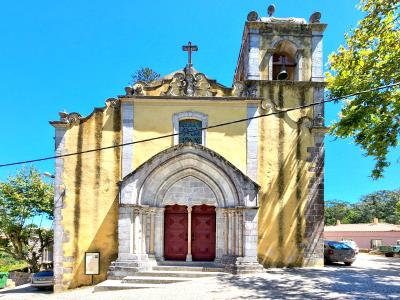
(106, 242)
(285, 233)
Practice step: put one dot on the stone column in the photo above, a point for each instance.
(136, 231)
(159, 233)
(189, 254)
(230, 232)
(240, 231)
(234, 233)
(144, 230)
(226, 232)
(151, 242)
(219, 233)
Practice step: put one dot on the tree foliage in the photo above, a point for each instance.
(381, 204)
(22, 198)
(370, 58)
(144, 74)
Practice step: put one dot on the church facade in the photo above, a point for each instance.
(192, 170)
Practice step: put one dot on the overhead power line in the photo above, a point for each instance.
(204, 128)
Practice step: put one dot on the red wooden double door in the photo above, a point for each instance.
(176, 232)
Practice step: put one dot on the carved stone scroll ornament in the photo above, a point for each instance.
(136, 89)
(188, 84)
(72, 118)
(114, 103)
(201, 86)
(247, 90)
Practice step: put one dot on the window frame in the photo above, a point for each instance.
(189, 115)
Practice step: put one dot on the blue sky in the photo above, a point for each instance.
(73, 55)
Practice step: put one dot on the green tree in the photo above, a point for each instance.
(22, 198)
(144, 74)
(370, 58)
(336, 210)
(381, 205)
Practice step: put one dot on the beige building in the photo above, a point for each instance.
(242, 196)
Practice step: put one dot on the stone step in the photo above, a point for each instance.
(119, 274)
(123, 268)
(184, 274)
(112, 285)
(154, 280)
(188, 268)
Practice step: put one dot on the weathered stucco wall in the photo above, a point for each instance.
(284, 177)
(155, 118)
(90, 205)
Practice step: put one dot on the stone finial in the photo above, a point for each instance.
(271, 10)
(252, 16)
(315, 17)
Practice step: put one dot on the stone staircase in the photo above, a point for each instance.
(165, 273)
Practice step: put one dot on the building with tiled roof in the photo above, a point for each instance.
(366, 235)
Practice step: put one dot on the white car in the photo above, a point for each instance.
(352, 244)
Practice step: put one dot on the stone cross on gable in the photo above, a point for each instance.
(189, 48)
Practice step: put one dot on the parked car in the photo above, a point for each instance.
(338, 252)
(352, 244)
(390, 251)
(43, 279)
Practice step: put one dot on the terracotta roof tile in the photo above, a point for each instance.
(363, 227)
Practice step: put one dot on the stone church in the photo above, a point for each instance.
(170, 185)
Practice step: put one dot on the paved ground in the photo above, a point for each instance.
(371, 277)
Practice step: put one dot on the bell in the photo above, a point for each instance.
(283, 75)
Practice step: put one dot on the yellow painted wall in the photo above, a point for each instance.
(90, 211)
(155, 118)
(284, 177)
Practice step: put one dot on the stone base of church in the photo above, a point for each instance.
(241, 265)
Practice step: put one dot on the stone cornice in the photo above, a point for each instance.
(185, 98)
(293, 83)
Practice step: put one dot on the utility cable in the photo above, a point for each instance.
(204, 128)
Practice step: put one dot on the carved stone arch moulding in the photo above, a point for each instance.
(188, 166)
(182, 164)
(189, 115)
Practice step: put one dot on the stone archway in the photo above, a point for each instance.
(187, 175)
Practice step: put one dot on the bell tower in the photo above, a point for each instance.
(281, 48)
(281, 62)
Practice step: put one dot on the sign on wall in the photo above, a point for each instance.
(92, 263)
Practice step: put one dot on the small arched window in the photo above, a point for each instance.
(190, 131)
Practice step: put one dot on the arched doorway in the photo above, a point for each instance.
(188, 203)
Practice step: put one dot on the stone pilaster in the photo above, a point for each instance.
(252, 141)
(254, 55)
(59, 192)
(127, 114)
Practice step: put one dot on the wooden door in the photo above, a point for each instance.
(203, 233)
(175, 232)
